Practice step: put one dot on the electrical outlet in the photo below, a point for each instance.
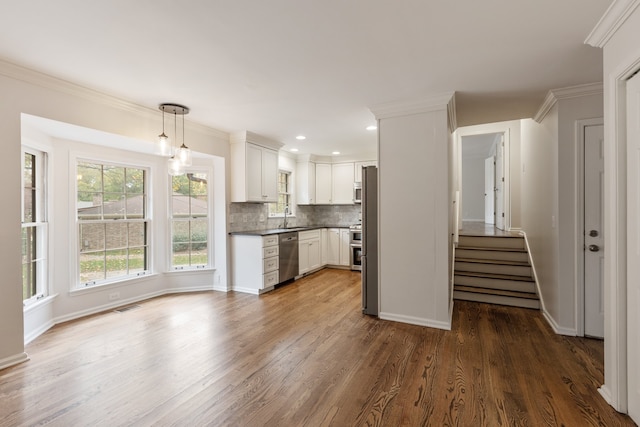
(114, 296)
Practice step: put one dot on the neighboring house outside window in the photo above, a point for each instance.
(284, 196)
(112, 222)
(190, 221)
(34, 226)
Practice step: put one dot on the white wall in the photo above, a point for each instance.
(414, 212)
(473, 188)
(550, 211)
(24, 91)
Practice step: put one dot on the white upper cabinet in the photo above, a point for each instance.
(305, 183)
(342, 183)
(254, 168)
(323, 184)
(358, 169)
(334, 183)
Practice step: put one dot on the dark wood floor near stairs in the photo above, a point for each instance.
(303, 355)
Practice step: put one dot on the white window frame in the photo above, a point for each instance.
(273, 206)
(147, 219)
(41, 224)
(210, 210)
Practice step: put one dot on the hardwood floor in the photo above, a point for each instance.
(304, 355)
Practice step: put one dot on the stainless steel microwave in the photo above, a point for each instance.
(357, 192)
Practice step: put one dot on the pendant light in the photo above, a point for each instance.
(181, 158)
(164, 144)
(184, 153)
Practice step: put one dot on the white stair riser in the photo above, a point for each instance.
(491, 242)
(490, 283)
(511, 270)
(492, 255)
(497, 299)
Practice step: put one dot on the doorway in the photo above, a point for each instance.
(591, 226)
(483, 179)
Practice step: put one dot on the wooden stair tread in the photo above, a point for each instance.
(494, 276)
(486, 291)
(491, 236)
(493, 249)
(495, 262)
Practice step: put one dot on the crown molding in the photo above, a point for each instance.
(554, 95)
(46, 81)
(405, 108)
(611, 21)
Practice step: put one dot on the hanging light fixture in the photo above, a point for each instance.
(181, 158)
(163, 140)
(184, 153)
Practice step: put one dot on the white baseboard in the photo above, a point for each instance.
(571, 332)
(606, 394)
(13, 360)
(37, 332)
(415, 320)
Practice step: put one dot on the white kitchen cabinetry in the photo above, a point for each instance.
(255, 263)
(324, 252)
(342, 183)
(306, 183)
(358, 169)
(309, 253)
(334, 183)
(254, 168)
(338, 246)
(323, 183)
(344, 247)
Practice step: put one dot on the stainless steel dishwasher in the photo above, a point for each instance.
(288, 256)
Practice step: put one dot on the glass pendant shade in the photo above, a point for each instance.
(164, 145)
(175, 167)
(184, 155)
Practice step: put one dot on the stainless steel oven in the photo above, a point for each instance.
(355, 246)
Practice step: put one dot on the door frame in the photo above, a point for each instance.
(579, 220)
(483, 130)
(615, 388)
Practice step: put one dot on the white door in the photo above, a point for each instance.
(633, 247)
(594, 231)
(499, 192)
(489, 186)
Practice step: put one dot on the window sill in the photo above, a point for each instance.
(192, 270)
(39, 303)
(109, 285)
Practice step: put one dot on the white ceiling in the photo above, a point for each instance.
(281, 68)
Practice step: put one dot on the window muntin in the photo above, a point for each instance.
(189, 221)
(34, 226)
(284, 195)
(112, 222)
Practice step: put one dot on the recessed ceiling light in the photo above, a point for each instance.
(335, 153)
(372, 127)
(301, 137)
(294, 150)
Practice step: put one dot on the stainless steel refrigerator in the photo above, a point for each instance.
(370, 240)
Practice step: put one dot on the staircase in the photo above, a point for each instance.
(495, 270)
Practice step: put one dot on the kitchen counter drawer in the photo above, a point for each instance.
(269, 241)
(270, 251)
(271, 264)
(270, 279)
(309, 234)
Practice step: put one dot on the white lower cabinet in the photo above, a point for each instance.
(255, 263)
(338, 246)
(309, 251)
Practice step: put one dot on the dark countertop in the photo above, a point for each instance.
(282, 230)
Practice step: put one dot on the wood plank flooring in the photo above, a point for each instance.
(304, 355)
